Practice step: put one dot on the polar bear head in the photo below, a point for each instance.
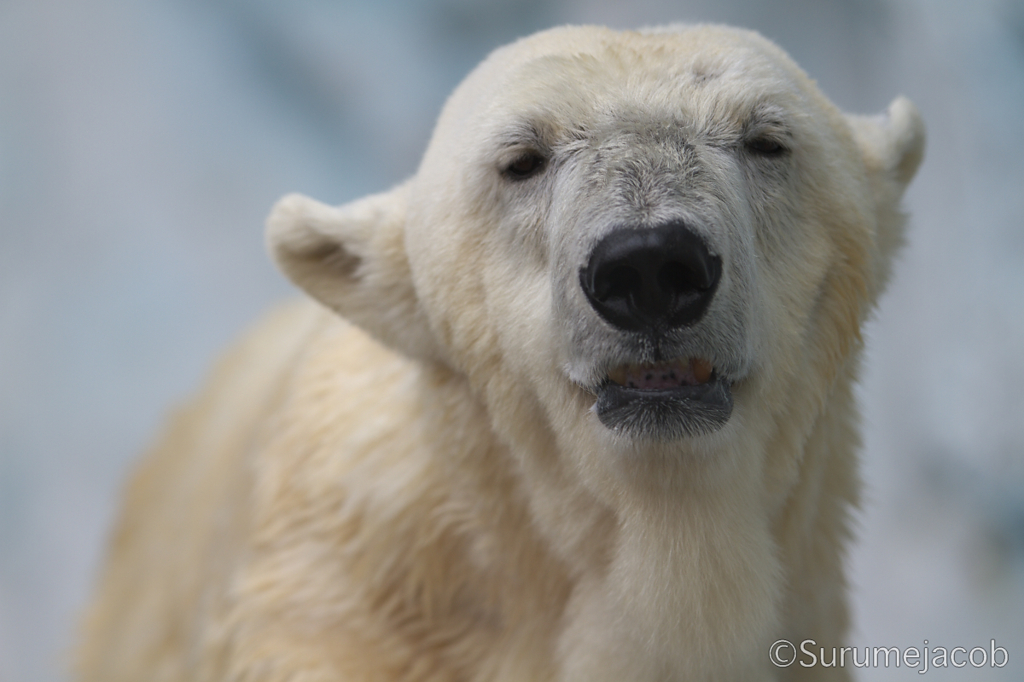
(661, 240)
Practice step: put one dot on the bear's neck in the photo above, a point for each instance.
(660, 576)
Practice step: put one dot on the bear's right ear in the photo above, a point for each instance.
(352, 259)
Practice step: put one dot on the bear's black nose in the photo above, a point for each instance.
(651, 279)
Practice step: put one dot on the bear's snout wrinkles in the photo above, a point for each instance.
(651, 279)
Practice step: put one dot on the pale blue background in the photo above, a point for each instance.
(142, 143)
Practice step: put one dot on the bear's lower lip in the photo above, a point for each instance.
(665, 413)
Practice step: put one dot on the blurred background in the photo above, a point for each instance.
(142, 144)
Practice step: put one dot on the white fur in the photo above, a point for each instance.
(428, 495)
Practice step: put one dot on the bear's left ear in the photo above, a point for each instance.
(892, 146)
(892, 143)
(352, 259)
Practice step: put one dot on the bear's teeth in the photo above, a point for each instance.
(662, 375)
(618, 375)
(701, 369)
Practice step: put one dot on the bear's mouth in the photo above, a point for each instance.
(663, 375)
(665, 400)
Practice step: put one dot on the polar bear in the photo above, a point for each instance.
(575, 402)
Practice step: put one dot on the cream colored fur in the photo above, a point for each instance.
(419, 489)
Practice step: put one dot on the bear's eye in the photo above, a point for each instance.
(525, 166)
(766, 146)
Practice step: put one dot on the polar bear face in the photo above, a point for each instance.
(636, 240)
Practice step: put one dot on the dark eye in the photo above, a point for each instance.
(525, 166)
(766, 146)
